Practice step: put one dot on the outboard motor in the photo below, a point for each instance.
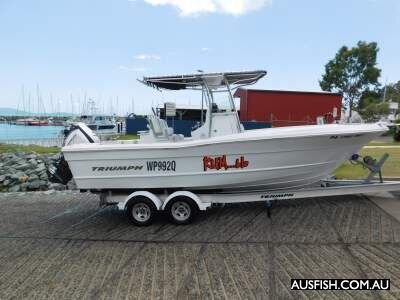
(60, 171)
(78, 133)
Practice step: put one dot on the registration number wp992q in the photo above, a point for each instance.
(162, 165)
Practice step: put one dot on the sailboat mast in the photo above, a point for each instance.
(72, 103)
(23, 98)
(37, 101)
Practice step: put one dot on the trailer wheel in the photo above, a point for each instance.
(182, 210)
(141, 211)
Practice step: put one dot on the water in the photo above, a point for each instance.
(21, 132)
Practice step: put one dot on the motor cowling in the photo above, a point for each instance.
(79, 133)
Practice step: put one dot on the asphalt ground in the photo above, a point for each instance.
(62, 245)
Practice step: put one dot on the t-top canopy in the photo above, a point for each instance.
(214, 80)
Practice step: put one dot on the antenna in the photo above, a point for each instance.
(117, 107)
(384, 91)
(72, 103)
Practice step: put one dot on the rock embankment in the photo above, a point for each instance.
(20, 172)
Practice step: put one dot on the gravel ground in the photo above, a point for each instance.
(61, 245)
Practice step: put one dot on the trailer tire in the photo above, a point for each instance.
(182, 210)
(140, 211)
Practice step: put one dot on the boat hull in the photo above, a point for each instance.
(265, 158)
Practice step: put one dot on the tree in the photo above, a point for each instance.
(352, 72)
(396, 134)
(371, 105)
(392, 92)
(374, 109)
(369, 97)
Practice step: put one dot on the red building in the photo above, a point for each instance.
(288, 108)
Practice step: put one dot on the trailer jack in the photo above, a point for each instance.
(269, 205)
(373, 165)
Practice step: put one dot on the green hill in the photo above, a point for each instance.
(6, 112)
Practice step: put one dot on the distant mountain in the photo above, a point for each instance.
(7, 112)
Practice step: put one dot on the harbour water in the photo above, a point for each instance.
(20, 132)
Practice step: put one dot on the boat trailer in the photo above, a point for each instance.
(182, 206)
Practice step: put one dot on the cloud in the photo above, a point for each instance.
(196, 7)
(205, 49)
(147, 57)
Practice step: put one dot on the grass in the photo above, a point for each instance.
(390, 169)
(127, 137)
(384, 144)
(393, 143)
(31, 148)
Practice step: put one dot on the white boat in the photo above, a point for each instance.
(220, 155)
(100, 123)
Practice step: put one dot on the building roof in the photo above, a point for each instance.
(239, 92)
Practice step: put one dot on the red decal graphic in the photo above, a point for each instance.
(220, 162)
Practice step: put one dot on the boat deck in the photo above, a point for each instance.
(61, 245)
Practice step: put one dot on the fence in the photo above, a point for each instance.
(45, 142)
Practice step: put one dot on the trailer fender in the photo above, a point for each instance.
(153, 198)
(194, 197)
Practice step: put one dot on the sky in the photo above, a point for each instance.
(66, 51)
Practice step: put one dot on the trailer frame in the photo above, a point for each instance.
(204, 201)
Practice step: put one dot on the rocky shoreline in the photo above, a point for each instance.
(21, 172)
